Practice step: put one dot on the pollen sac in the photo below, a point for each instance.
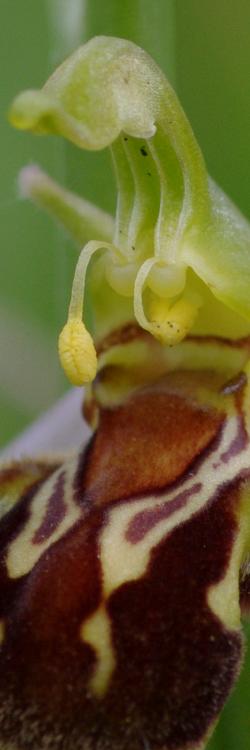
(77, 353)
(121, 567)
(171, 325)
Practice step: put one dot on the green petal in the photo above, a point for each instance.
(219, 253)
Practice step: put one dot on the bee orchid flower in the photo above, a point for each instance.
(125, 567)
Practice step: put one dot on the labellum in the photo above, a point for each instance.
(124, 568)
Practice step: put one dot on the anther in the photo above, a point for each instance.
(169, 324)
(76, 347)
(77, 353)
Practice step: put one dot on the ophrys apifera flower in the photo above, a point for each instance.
(123, 568)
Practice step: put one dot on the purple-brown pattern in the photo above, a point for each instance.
(245, 587)
(111, 635)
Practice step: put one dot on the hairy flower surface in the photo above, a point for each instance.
(124, 569)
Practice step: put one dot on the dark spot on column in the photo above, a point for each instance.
(143, 151)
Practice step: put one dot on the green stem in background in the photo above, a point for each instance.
(150, 25)
(66, 21)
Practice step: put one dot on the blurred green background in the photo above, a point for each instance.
(204, 48)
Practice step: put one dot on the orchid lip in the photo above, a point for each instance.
(123, 567)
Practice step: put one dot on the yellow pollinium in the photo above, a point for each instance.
(171, 324)
(77, 352)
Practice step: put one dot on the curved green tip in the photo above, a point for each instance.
(30, 110)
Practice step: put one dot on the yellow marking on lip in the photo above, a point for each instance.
(123, 561)
(96, 632)
(7, 502)
(23, 554)
(15, 479)
(223, 597)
